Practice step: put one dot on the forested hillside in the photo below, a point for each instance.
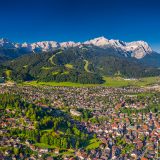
(85, 65)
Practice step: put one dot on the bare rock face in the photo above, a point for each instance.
(137, 49)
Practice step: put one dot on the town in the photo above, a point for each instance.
(108, 123)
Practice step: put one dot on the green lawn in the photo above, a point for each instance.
(68, 152)
(42, 145)
(93, 144)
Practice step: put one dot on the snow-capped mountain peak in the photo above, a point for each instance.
(99, 42)
(117, 43)
(137, 49)
(45, 45)
(69, 44)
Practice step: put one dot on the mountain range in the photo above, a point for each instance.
(84, 62)
(137, 49)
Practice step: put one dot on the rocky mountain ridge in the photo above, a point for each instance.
(136, 49)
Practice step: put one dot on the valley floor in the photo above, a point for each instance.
(109, 82)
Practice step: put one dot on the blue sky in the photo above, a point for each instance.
(80, 20)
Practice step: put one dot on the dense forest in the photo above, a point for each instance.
(85, 65)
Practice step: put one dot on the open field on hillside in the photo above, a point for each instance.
(86, 66)
(109, 82)
(69, 66)
(51, 58)
(8, 74)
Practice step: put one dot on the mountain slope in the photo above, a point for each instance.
(85, 62)
(151, 59)
(83, 65)
(137, 49)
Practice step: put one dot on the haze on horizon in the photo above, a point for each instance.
(80, 20)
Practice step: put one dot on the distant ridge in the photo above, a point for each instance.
(136, 49)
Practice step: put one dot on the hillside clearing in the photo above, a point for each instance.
(8, 74)
(86, 66)
(51, 58)
(69, 66)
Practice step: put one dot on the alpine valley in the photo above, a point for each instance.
(86, 62)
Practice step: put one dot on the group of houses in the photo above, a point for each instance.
(121, 135)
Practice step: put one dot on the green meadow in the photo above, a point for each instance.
(109, 82)
(8, 74)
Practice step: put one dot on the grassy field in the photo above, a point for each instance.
(55, 73)
(86, 66)
(8, 74)
(109, 82)
(94, 143)
(147, 81)
(42, 145)
(120, 82)
(63, 152)
(69, 66)
(116, 82)
(51, 58)
(67, 84)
